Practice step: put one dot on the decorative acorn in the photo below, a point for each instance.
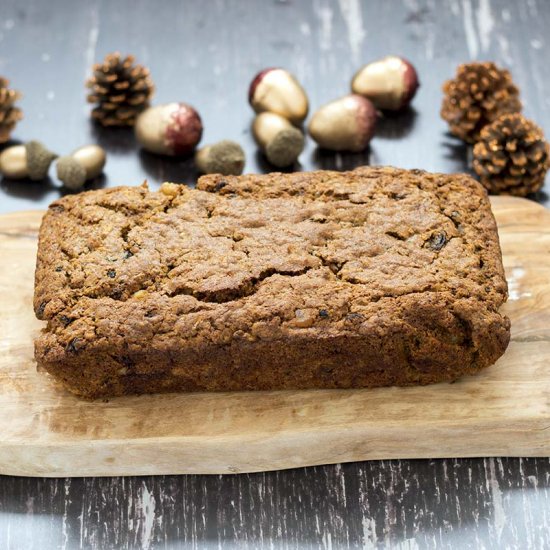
(31, 160)
(390, 83)
(346, 124)
(512, 156)
(83, 164)
(10, 115)
(121, 90)
(478, 95)
(173, 129)
(225, 157)
(278, 91)
(281, 142)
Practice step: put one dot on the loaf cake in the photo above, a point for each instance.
(367, 278)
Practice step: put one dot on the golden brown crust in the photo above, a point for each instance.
(373, 277)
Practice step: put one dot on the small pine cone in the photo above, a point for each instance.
(477, 96)
(511, 156)
(120, 89)
(9, 113)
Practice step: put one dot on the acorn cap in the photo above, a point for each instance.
(71, 172)
(285, 147)
(39, 160)
(225, 157)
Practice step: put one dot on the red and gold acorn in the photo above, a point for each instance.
(277, 91)
(390, 83)
(173, 129)
(346, 124)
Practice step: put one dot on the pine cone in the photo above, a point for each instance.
(120, 89)
(477, 96)
(512, 156)
(9, 114)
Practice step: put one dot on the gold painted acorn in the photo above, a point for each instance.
(85, 163)
(31, 160)
(278, 91)
(390, 83)
(281, 142)
(346, 124)
(173, 129)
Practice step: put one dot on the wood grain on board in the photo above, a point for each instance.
(503, 411)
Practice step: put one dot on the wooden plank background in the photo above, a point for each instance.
(205, 53)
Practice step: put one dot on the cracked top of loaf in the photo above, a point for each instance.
(263, 256)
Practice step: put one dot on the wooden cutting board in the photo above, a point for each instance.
(504, 411)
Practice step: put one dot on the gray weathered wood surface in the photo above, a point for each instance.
(485, 503)
(205, 53)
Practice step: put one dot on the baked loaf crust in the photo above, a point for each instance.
(368, 278)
